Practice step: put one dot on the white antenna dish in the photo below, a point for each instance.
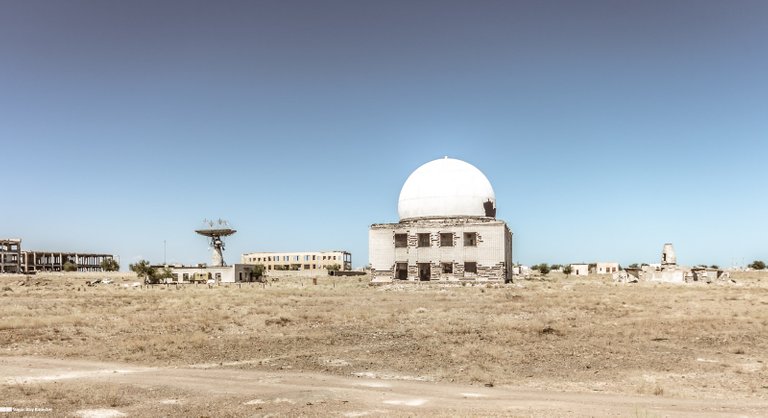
(215, 234)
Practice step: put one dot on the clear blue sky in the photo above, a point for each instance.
(607, 128)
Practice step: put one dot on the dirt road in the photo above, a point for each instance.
(226, 390)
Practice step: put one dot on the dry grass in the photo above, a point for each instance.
(558, 333)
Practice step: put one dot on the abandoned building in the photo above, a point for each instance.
(580, 269)
(447, 231)
(235, 273)
(666, 272)
(669, 272)
(606, 268)
(10, 255)
(15, 260)
(300, 261)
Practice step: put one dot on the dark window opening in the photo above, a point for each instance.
(470, 239)
(423, 240)
(401, 240)
(446, 239)
(401, 271)
(470, 267)
(447, 267)
(425, 271)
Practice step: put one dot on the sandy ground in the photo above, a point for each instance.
(177, 391)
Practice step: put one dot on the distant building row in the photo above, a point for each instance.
(300, 261)
(15, 260)
(316, 261)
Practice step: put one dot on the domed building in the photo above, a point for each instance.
(448, 229)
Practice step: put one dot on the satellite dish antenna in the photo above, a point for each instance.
(215, 231)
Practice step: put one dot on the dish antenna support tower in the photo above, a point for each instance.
(215, 231)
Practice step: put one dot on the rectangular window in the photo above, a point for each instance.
(306, 266)
(401, 271)
(470, 267)
(447, 267)
(306, 258)
(313, 257)
(446, 239)
(423, 240)
(470, 239)
(401, 240)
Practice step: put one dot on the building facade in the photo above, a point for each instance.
(606, 268)
(580, 269)
(237, 273)
(10, 255)
(300, 261)
(15, 260)
(34, 261)
(442, 250)
(447, 231)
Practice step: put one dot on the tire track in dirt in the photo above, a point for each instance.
(286, 389)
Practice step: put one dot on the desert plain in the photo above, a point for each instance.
(547, 346)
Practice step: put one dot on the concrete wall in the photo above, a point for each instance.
(237, 273)
(580, 269)
(667, 276)
(606, 268)
(492, 252)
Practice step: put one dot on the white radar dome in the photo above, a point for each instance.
(446, 188)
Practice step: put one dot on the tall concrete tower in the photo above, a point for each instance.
(668, 257)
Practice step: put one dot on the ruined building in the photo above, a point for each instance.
(10, 255)
(15, 260)
(448, 229)
(668, 271)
